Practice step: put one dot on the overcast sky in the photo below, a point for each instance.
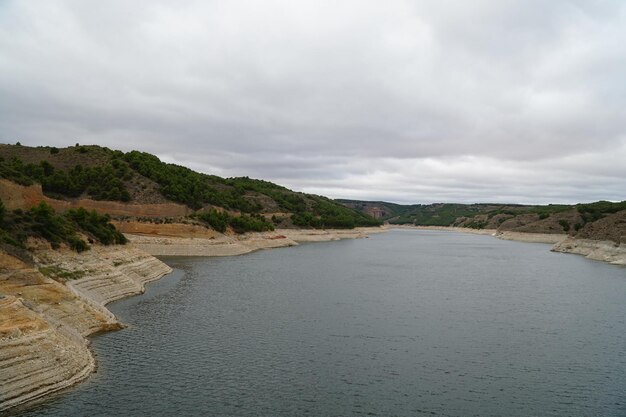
(406, 101)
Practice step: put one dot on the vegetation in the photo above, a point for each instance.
(100, 183)
(104, 174)
(188, 187)
(477, 224)
(286, 199)
(43, 222)
(327, 214)
(240, 224)
(597, 210)
(480, 216)
(96, 226)
(56, 272)
(437, 214)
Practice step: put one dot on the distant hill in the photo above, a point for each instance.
(602, 220)
(139, 178)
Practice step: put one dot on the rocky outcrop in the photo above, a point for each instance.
(44, 321)
(599, 250)
(51, 299)
(611, 227)
(36, 358)
(105, 274)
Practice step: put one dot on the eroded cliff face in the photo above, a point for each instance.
(37, 357)
(44, 321)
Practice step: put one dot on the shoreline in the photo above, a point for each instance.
(107, 274)
(46, 323)
(224, 245)
(552, 238)
(596, 250)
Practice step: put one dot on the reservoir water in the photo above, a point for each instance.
(405, 323)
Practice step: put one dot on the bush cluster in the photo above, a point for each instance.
(188, 187)
(100, 183)
(328, 214)
(42, 221)
(240, 224)
(105, 173)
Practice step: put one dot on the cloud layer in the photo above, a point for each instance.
(408, 101)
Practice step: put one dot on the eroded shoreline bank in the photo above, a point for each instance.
(44, 324)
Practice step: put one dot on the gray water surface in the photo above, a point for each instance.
(404, 323)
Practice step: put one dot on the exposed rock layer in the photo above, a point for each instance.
(599, 250)
(224, 245)
(43, 323)
(36, 358)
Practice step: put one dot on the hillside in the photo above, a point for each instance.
(136, 180)
(601, 220)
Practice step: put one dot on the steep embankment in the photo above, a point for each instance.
(179, 239)
(43, 322)
(36, 357)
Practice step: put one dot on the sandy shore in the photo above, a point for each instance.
(224, 245)
(505, 235)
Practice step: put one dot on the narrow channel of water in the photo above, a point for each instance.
(404, 323)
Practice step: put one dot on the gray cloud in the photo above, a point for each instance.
(411, 101)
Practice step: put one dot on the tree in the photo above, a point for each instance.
(2, 211)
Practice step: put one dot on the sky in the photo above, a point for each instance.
(405, 101)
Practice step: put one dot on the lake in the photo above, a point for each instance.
(404, 323)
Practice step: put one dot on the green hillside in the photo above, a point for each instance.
(138, 177)
(602, 220)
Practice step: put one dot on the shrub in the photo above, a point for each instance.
(43, 222)
(96, 225)
(240, 224)
(217, 220)
(564, 224)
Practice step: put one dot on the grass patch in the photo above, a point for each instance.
(55, 272)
